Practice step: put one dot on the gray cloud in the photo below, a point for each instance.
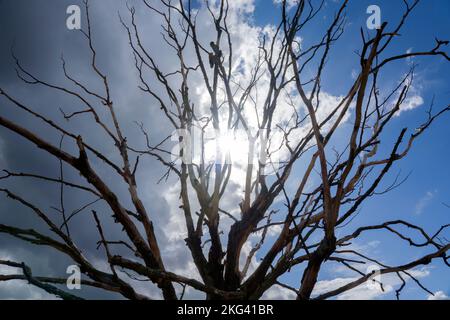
(36, 31)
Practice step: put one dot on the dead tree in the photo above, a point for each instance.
(313, 210)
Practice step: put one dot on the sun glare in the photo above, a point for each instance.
(228, 148)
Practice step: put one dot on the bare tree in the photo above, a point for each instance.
(312, 211)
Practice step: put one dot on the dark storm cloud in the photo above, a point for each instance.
(37, 33)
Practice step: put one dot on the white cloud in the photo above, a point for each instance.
(423, 202)
(414, 98)
(362, 292)
(277, 292)
(409, 60)
(367, 290)
(290, 3)
(438, 295)
(412, 102)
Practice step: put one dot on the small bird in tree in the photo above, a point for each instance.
(214, 57)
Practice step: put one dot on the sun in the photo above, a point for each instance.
(229, 147)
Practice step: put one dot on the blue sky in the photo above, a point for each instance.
(420, 198)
